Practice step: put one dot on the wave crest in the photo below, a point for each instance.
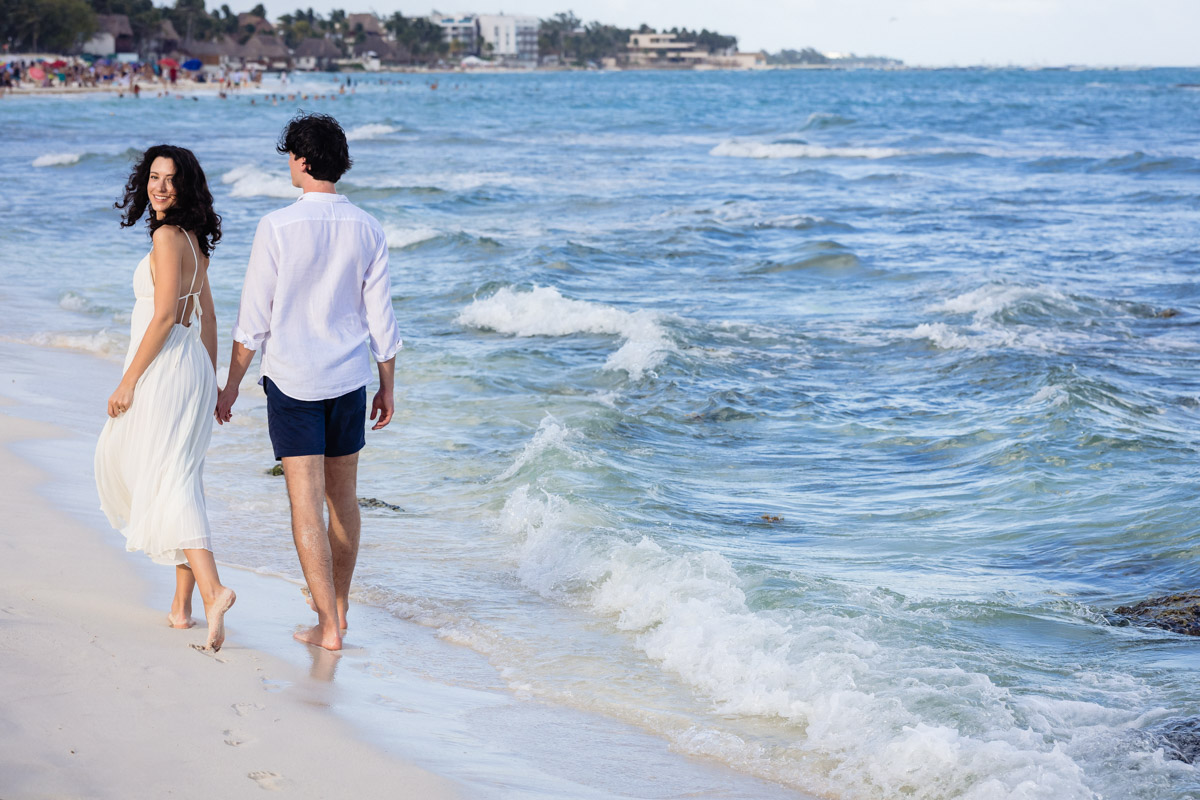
(544, 312)
(372, 130)
(738, 149)
(57, 159)
(250, 181)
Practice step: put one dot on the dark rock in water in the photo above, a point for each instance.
(1167, 313)
(276, 470)
(1178, 738)
(371, 502)
(1179, 613)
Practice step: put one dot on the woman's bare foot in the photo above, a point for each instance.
(341, 614)
(215, 614)
(319, 636)
(180, 621)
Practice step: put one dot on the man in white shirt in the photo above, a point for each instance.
(317, 298)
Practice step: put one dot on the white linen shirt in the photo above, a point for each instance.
(317, 291)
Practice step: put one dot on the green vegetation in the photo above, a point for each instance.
(806, 56)
(44, 25)
(64, 25)
(420, 36)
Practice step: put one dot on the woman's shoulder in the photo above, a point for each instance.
(169, 235)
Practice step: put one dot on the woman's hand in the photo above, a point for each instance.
(120, 401)
(225, 399)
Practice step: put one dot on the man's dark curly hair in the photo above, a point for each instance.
(321, 142)
(193, 208)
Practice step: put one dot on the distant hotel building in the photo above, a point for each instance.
(513, 40)
(662, 50)
(460, 30)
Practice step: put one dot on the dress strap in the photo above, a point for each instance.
(196, 271)
(193, 292)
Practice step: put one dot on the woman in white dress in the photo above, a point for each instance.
(150, 457)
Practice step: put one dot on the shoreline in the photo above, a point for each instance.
(400, 704)
(209, 87)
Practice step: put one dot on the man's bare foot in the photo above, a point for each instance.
(215, 614)
(341, 614)
(180, 621)
(319, 636)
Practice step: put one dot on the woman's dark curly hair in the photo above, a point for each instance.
(321, 142)
(193, 207)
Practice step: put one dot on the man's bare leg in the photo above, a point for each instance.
(217, 598)
(345, 525)
(305, 477)
(181, 606)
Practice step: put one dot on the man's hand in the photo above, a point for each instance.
(383, 406)
(225, 400)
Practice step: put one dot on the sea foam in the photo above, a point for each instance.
(544, 312)
(995, 299)
(57, 159)
(399, 238)
(370, 131)
(250, 181)
(104, 342)
(740, 149)
(862, 715)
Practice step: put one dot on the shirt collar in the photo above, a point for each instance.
(325, 197)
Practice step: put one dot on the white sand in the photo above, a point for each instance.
(102, 699)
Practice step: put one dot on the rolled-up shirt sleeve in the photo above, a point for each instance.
(382, 330)
(253, 322)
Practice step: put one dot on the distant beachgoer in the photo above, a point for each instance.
(150, 456)
(317, 293)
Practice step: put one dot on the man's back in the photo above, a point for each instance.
(317, 289)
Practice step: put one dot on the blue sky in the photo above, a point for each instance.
(921, 32)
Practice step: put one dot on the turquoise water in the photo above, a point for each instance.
(813, 421)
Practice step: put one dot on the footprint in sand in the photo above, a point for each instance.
(271, 781)
(243, 709)
(235, 739)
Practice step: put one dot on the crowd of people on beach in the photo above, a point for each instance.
(79, 74)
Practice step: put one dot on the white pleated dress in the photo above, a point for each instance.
(150, 460)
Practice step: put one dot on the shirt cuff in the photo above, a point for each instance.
(388, 354)
(247, 340)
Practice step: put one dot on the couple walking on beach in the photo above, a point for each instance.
(316, 299)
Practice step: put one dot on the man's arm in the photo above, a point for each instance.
(253, 324)
(384, 404)
(239, 362)
(383, 333)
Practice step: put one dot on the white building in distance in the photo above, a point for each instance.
(459, 30)
(509, 38)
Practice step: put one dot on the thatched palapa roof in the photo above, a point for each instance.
(317, 48)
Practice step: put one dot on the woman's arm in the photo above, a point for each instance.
(208, 322)
(166, 261)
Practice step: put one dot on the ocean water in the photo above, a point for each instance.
(814, 422)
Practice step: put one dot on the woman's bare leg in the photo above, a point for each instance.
(217, 598)
(181, 606)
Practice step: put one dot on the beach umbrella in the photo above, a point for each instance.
(192, 64)
(37, 73)
(57, 64)
(168, 63)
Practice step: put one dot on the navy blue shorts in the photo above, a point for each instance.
(329, 428)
